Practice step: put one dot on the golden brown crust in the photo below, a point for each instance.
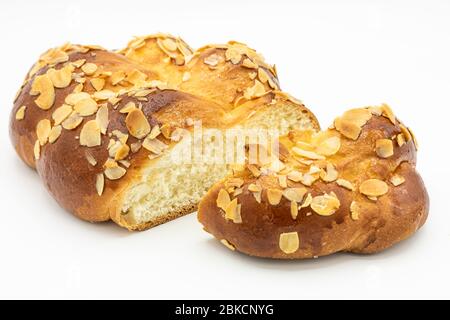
(75, 159)
(355, 224)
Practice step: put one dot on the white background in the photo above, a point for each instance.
(333, 55)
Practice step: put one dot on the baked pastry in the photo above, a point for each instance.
(105, 129)
(350, 188)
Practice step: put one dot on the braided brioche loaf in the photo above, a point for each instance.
(102, 128)
(351, 188)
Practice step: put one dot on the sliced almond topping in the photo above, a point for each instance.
(295, 176)
(307, 154)
(345, 184)
(43, 129)
(384, 148)
(121, 136)
(90, 134)
(373, 188)
(282, 181)
(61, 78)
(97, 83)
(73, 121)
(347, 128)
(166, 130)
(254, 170)
(223, 199)
(104, 94)
(186, 76)
(388, 113)
(294, 194)
(79, 63)
(330, 175)
(358, 116)
(86, 107)
(135, 146)
(122, 152)
(325, 205)
(329, 146)
(254, 187)
(294, 209)
(54, 133)
(397, 180)
(61, 113)
(90, 158)
(227, 244)
(233, 55)
(256, 91)
(249, 64)
(234, 182)
(233, 211)
(89, 68)
(116, 77)
(169, 44)
(115, 173)
(308, 200)
(212, 60)
(308, 179)
(137, 124)
(20, 114)
(262, 75)
(400, 140)
(102, 118)
(289, 242)
(73, 98)
(154, 145)
(37, 150)
(100, 183)
(43, 86)
(154, 132)
(130, 106)
(136, 77)
(274, 196)
(355, 211)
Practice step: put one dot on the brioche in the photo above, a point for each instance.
(105, 130)
(351, 188)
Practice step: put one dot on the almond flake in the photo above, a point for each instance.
(282, 181)
(373, 188)
(262, 75)
(223, 199)
(135, 146)
(227, 244)
(274, 196)
(102, 118)
(73, 121)
(115, 173)
(233, 211)
(186, 76)
(249, 64)
(61, 113)
(86, 107)
(329, 146)
(400, 139)
(294, 209)
(345, 184)
(20, 114)
(89, 68)
(43, 86)
(212, 60)
(289, 242)
(90, 134)
(154, 145)
(54, 133)
(308, 200)
(330, 175)
(307, 154)
(258, 90)
(116, 77)
(254, 187)
(294, 194)
(397, 180)
(37, 150)
(325, 205)
(166, 130)
(388, 113)
(136, 77)
(97, 83)
(347, 128)
(122, 152)
(295, 176)
(61, 78)
(43, 129)
(169, 44)
(254, 170)
(90, 158)
(100, 183)
(355, 210)
(233, 55)
(104, 94)
(128, 107)
(384, 148)
(137, 124)
(73, 98)
(154, 132)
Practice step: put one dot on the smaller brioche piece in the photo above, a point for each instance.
(351, 188)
